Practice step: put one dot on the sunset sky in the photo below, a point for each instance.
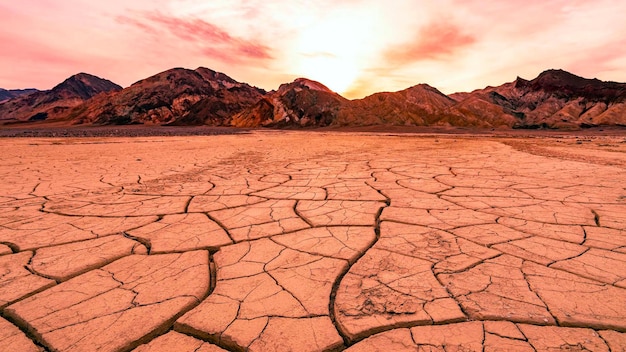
(355, 47)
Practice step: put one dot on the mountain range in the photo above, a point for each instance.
(555, 99)
(6, 94)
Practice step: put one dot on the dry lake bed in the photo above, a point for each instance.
(325, 241)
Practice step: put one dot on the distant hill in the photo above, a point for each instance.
(6, 94)
(554, 99)
(55, 103)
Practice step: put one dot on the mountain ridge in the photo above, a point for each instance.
(56, 102)
(7, 94)
(179, 96)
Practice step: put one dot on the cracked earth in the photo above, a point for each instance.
(293, 241)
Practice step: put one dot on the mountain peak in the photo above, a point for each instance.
(55, 103)
(85, 86)
(425, 87)
(211, 75)
(558, 74)
(560, 78)
(520, 82)
(85, 76)
(164, 76)
(563, 83)
(310, 84)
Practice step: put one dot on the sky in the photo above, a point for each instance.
(355, 47)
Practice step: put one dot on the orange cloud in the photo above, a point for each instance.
(211, 40)
(435, 41)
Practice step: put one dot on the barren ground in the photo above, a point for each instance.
(314, 241)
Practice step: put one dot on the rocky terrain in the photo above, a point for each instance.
(300, 103)
(57, 102)
(555, 99)
(421, 105)
(177, 96)
(300, 241)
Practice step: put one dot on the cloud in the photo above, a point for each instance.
(141, 24)
(209, 39)
(319, 54)
(438, 40)
(379, 79)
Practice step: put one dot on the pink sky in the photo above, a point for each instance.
(356, 47)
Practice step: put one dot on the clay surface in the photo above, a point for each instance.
(313, 241)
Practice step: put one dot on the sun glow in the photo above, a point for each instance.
(334, 72)
(335, 51)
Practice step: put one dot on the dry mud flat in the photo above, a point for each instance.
(293, 241)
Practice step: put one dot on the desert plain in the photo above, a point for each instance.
(314, 241)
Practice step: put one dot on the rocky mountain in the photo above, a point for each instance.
(481, 110)
(7, 94)
(555, 99)
(55, 103)
(178, 96)
(420, 105)
(301, 103)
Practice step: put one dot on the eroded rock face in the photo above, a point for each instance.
(554, 99)
(301, 103)
(333, 244)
